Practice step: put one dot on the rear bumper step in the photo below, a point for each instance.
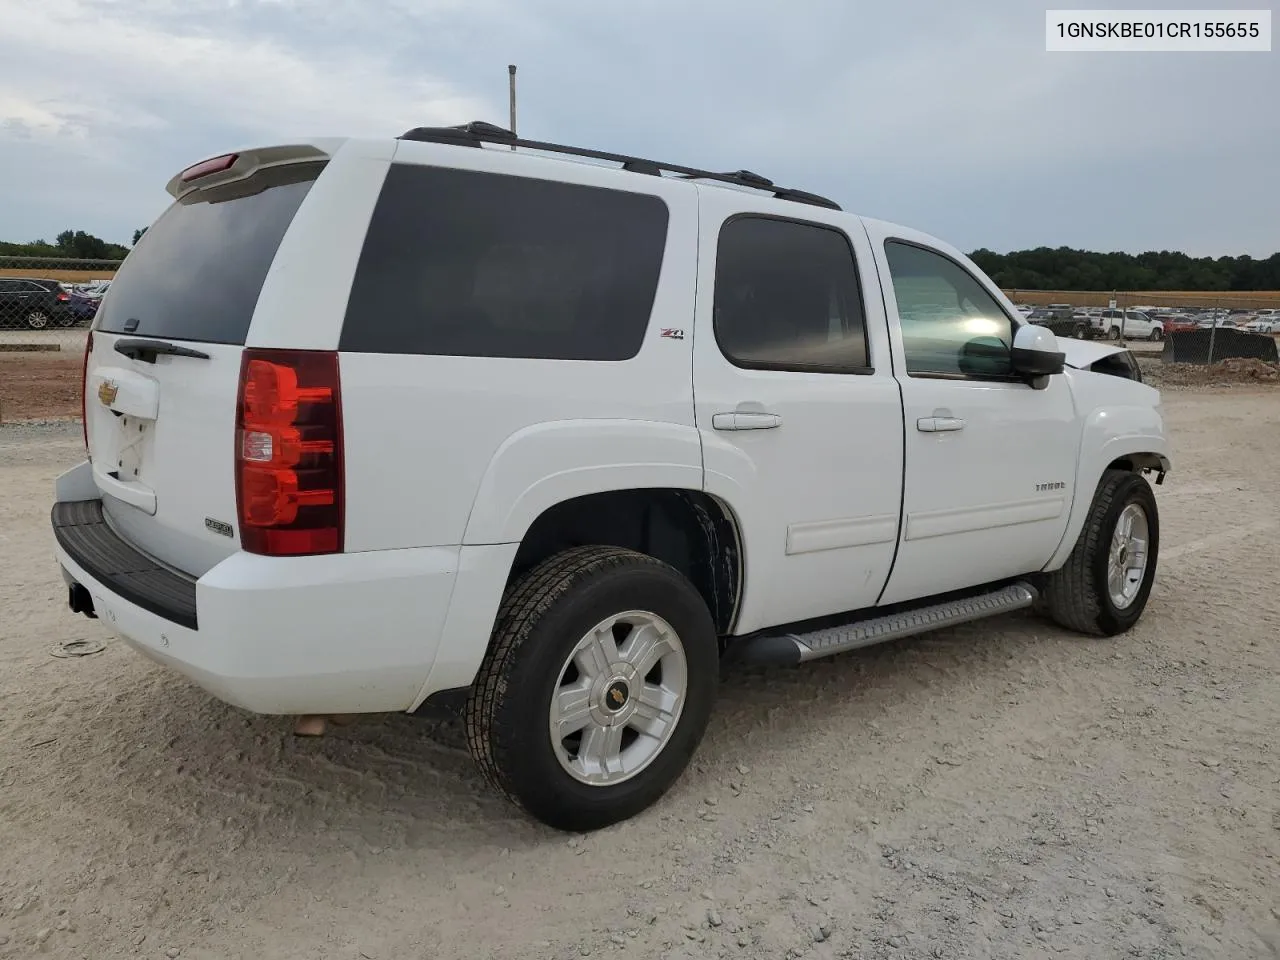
(82, 531)
(780, 648)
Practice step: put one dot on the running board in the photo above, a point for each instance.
(827, 642)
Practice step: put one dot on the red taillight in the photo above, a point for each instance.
(64, 297)
(289, 452)
(206, 167)
(84, 388)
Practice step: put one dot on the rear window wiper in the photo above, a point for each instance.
(148, 350)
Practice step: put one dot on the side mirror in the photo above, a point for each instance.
(1036, 353)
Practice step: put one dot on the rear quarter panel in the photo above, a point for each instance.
(435, 441)
(304, 297)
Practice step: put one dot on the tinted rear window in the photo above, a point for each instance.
(460, 263)
(197, 272)
(787, 297)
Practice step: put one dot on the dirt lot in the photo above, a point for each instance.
(39, 385)
(1002, 790)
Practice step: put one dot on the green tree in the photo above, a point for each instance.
(78, 245)
(1063, 268)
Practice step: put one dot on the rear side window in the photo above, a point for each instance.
(461, 263)
(197, 272)
(787, 297)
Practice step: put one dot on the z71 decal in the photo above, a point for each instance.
(671, 333)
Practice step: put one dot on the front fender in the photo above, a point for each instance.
(1110, 433)
(549, 463)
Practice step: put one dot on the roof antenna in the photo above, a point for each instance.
(511, 96)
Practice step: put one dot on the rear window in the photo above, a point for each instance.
(461, 263)
(197, 272)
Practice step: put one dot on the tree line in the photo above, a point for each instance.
(1044, 268)
(69, 245)
(1063, 268)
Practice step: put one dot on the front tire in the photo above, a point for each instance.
(1103, 587)
(597, 687)
(37, 320)
(1156, 335)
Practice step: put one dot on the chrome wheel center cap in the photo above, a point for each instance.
(616, 695)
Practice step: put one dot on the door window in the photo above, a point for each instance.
(787, 297)
(951, 325)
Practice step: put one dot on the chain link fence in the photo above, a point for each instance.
(51, 293)
(1193, 327)
(1185, 326)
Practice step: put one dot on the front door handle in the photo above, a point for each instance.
(939, 424)
(745, 420)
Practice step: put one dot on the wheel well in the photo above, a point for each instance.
(691, 530)
(1141, 463)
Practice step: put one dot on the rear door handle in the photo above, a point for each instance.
(747, 420)
(939, 424)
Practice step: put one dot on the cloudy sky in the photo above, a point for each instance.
(949, 117)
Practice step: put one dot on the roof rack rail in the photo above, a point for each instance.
(478, 132)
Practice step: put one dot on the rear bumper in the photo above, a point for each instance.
(83, 535)
(347, 633)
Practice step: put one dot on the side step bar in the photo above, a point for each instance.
(791, 648)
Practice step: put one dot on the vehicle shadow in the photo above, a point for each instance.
(392, 781)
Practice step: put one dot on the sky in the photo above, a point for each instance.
(947, 117)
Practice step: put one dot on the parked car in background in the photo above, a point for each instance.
(82, 307)
(1263, 324)
(1131, 324)
(1176, 323)
(1266, 320)
(1082, 327)
(95, 290)
(34, 304)
(1206, 323)
(1072, 325)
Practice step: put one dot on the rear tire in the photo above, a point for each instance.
(521, 690)
(1100, 590)
(1115, 333)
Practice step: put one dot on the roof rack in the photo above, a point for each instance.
(478, 132)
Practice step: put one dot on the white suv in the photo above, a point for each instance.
(540, 435)
(1131, 324)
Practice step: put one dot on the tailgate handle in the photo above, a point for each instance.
(148, 350)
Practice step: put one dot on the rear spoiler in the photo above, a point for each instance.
(243, 165)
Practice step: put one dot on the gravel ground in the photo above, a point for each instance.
(1235, 372)
(1000, 790)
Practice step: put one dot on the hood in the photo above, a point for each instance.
(1081, 354)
